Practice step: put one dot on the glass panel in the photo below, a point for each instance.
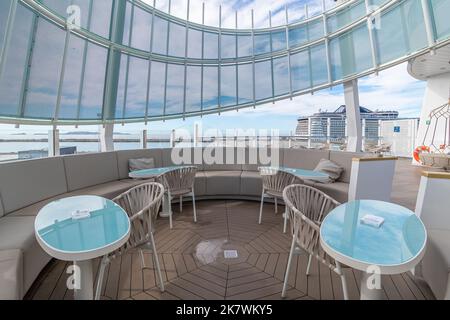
(193, 89)
(160, 36)
(228, 46)
(136, 103)
(245, 45)
(279, 40)
(93, 82)
(127, 25)
(177, 40)
(45, 71)
(245, 72)
(281, 76)
(211, 45)
(228, 86)
(142, 28)
(14, 67)
(346, 16)
(210, 88)
(315, 30)
(350, 53)
(72, 77)
(263, 78)
(120, 103)
(301, 78)
(4, 10)
(319, 64)
(298, 35)
(440, 10)
(378, 2)
(157, 83)
(101, 17)
(262, 43)
(195, 44)
(414, 25)
(175, 89)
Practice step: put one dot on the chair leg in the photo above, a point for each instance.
(170, 211)
(261, 208)
(158, 266)
(308, 268)
(285, 221)
(181, 203)
(276, 205)
(193, 204)
(288, 269)
(343, 280)
(101, 275)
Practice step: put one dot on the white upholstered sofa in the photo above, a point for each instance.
(27, 186)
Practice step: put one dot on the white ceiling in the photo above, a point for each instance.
(430, 65)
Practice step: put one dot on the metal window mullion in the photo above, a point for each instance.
(271, 58)
(83, 67)
(62, 75)
(167, 64)
(149, 72)
(371, 36)
(311, 82)
(185, 61)
(431, 37)
(288, 53)
(219, 67)
(8, 34)
(130, 37)
(253, 60)
(29, 61)
(327, 42)
(237, 65)
(203, 56)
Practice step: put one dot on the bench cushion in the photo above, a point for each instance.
(18, 233)
(251, 183)
(223, 182)
(90, 170)
(200, 184)
(304, 158)
(124, 156)
(11, 274)
(338, 190)
(223, 159)
(344, 159)
(107, 190)
(24, 183)
(188, 157)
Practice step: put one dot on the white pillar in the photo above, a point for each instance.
(172, 138)
(354, 143)
(371, 179)
(436, 95)
(53, 143)
(106, 133)
(143, 140)
(363, 133)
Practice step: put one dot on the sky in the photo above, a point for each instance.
(392, 89)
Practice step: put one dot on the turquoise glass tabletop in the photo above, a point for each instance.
(302, 173)
(153, 172)
(399, 239)
(82, 224)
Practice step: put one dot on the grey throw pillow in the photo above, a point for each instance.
(141, 164)
(332, 169)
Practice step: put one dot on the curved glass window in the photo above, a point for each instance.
(346, 16)
(440, 9)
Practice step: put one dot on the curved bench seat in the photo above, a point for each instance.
(27, 186)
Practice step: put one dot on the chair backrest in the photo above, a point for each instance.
(142, 204)
(307, 207)
(179, 179)
(277, 180)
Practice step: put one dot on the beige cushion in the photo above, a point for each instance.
(11, 275)
(23, 183)
(18, 233)
(125, 155)
(251, 183)
(337, 190)
(222, 159)
(344, 159)
(90, 170)
(223, 182)
(303, 159)
(141, 164)
(333, 170)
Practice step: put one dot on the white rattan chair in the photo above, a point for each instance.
(274, 182)
(142, 205)
(307, 207)
(179, 183)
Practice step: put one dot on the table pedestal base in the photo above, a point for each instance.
(86, 280)
(369, 293)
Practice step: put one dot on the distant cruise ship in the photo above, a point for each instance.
(332, 125)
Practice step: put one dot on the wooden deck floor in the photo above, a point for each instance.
(194, 267)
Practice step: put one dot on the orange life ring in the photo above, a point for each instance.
(418, 151)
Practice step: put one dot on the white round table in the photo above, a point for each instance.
(307, 174)
(80, 237)
(395, 247)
